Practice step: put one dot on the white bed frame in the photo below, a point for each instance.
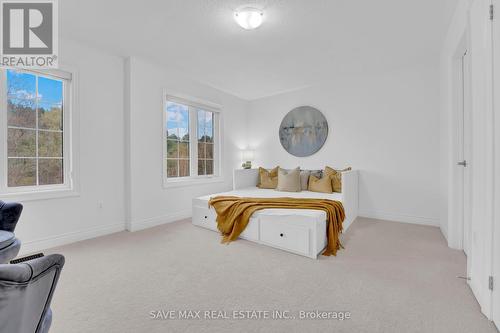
(295, 231)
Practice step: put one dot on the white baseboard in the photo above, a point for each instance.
(159, 220)
(37, 245)
(431, 221)
(67, 238)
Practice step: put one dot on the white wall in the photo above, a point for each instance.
(385, 125)
(150, 203)
(52, 222)
(120, 151)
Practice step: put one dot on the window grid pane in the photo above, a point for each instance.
(201, 150)
(21, 142)
(21, 172)
(172, 168)
(51, 171)
(184, 167)
(209, 167)
(49, 144)
(201, 167)
(172, 149)
(209, 151)
(35, 130)
(184, 149)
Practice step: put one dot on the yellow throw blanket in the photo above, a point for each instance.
(233, 214)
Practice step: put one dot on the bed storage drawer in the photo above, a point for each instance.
(205, 217)
(278, 233)
(251, 232)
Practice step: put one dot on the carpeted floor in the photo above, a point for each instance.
(391, 277)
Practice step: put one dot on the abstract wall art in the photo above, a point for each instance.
(303, 131)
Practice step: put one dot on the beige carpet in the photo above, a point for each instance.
(391, 277)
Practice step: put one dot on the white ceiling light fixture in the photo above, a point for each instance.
(249, 18)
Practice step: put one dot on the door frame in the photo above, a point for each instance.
(495, 297)
(456, 190)
(463, 145)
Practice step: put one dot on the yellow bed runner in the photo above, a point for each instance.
(233, 214)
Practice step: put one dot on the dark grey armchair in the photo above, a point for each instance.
(9, 244)
(26, 290)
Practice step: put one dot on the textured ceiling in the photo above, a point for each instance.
(301, 42)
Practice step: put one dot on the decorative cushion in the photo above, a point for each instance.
(6, 239)
(289, 181)
(336, 177)
(304, 177)
(317, 174)
(268, 178)
(322, 185)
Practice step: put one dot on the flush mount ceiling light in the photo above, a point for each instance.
(248, 17)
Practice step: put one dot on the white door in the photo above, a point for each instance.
(496, 110)
(482, 160)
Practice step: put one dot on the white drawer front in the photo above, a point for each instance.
(251, 232)
(205, 217)
(282, 235)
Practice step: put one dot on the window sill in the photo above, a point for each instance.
(39, 195)
(173, 183)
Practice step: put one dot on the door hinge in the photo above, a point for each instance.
(492, 12)
(490, 283)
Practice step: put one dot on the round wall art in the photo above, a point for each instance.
(303, 131)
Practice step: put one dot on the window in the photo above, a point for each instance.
(35, 120)
(191, 140)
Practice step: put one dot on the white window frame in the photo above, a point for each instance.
(70, 187)
(193, 105)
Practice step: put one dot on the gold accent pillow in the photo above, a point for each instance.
(322, 185)
(268, 178)
(336, 177)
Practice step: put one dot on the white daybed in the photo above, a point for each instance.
(299, 231)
